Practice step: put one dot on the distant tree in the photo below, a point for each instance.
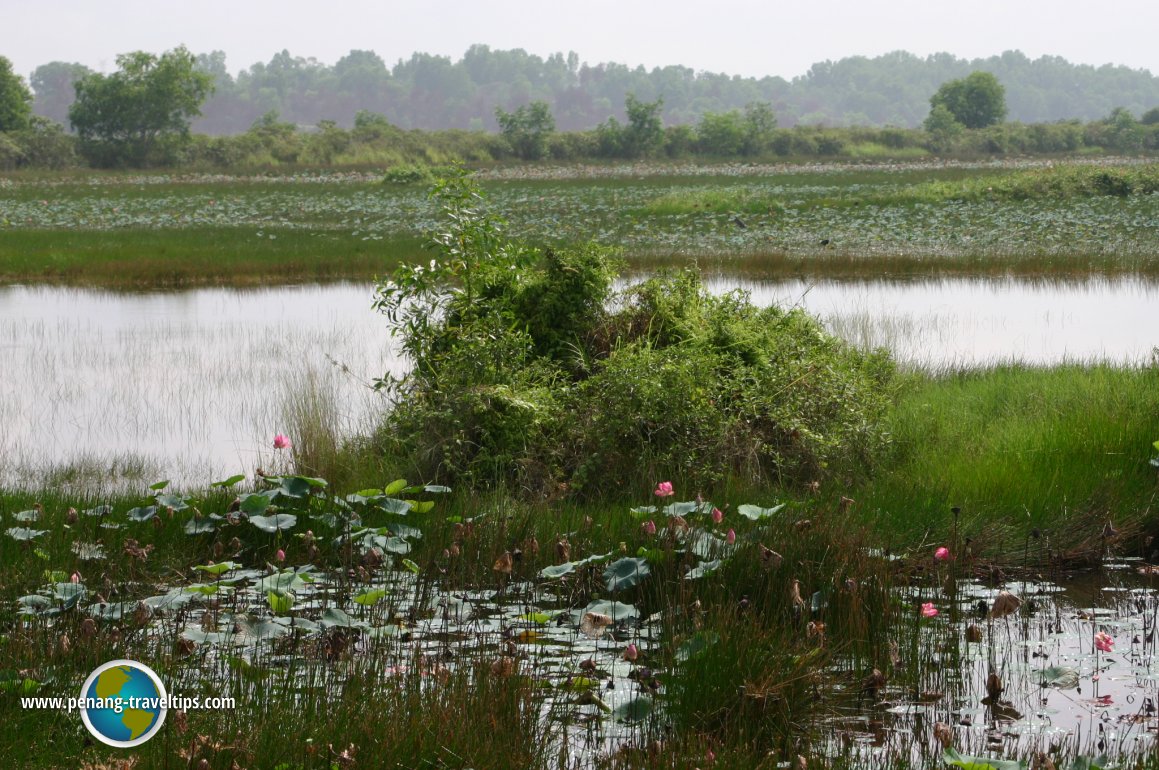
(976, 101)
(528, 129)
(760, 126)
(1123, 132)
(943, 128)
(15, 99)
(140, 114)
(644, 134)
(721, 133)
(1150, 117)
(54, 86)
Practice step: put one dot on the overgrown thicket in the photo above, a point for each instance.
(530, 367)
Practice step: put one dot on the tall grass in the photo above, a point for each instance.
(1060, 450)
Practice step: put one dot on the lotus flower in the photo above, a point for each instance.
(281, 441)
(631, 652)
(730, 538)
(929, 610)
(649, 527)
(942, 554)
(717, 515)
(280, 556)
(1104, 642)
(664, 489)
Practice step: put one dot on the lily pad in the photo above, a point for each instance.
(176, 502)
(1059, 677)
(954, 759)
(227, 483)
(702, 569)
(88, 551)
(615, 610)
(333, 617)
(198, 636)
(259, 628)
(23, 534)
(371, 597)
(756, 512)
(636, 710)
(696, 645)
(142, 513)
(626, 573)
(271, 524)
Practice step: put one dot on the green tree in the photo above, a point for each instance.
(140, 114)
(721, 133)
(527, 129)
(943, 128)
(644, 134)
(976, 101)
(760, 126)
(15, 99)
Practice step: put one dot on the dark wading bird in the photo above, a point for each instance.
(736, 220)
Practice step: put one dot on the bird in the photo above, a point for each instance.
(736, 220)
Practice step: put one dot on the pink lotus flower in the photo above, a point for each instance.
(929, 610)
(664, 489)
(280, 556)
(730, 538)
(74, 577)
(649, 527)
(717, 515)
(631, 652)
(1104, 642)
(281, 441)
(942, 554)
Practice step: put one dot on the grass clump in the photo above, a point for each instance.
(528, 370)
(1055, 182)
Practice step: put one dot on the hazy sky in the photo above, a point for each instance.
(741, 37)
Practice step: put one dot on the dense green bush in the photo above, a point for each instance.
(528, 369)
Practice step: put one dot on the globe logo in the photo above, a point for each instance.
(123, 703)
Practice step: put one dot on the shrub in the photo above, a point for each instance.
(529, 371)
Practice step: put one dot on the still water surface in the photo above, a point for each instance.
(192, 386)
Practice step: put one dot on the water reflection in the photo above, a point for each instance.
(936, 323)
(181, 385)
(193, 385)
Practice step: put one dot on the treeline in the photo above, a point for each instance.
(409, 154)
(434, 92)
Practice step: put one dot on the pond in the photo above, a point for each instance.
(103, 387)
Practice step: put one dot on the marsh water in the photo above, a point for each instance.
(191, 386)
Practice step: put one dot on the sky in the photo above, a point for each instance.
(737, 37)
